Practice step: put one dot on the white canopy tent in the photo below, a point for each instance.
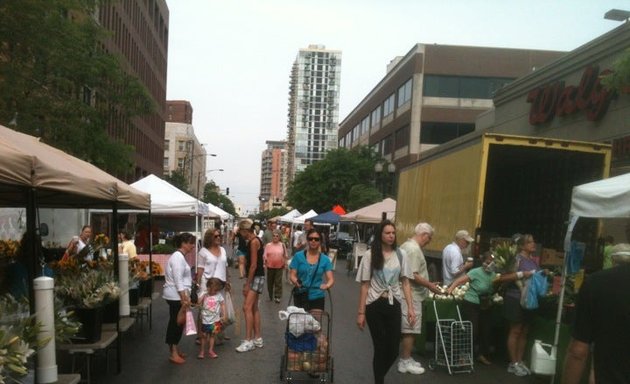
(215, 211)
(289, 216)
(302, 219)
(372, 213)
(608, 198)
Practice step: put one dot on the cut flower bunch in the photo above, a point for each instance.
(85, 285)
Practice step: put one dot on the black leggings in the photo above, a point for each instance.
(481, 320)
(173, 331)
(384, 321)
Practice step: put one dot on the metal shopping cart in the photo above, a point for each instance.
(308, 346)
(453, 344)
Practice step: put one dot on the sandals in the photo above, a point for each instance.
(176, 360)
(212, 355)
(201, 356)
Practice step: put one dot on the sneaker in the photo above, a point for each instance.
(258, 343)
(245, 346)
(408, 366)
(516, 369)
(416, 363)
(524, 367)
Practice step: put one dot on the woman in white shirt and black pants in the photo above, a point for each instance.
(176, 292)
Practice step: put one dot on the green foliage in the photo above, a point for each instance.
(212, 194)
(178, 179)
(165, 249)
(58, 83)
(278, 211)
(329, 181)
(619, 80)
(361, 195)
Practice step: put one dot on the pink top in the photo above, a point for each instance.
(274, 255)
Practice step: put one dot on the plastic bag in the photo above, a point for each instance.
(299, 321)
(191, 328)
(535, 287)
(229, 309)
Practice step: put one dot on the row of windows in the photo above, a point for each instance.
(463, 87)
(387, 108)
(439, 133)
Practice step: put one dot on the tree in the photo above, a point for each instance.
(178, 179)
(212, 194)
(361, 195)
(58, 83)
(329, 181)
(278, 211)
(619, 79)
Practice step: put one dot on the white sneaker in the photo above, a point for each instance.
(245, 346)
(516, 369)
(415, 363)
(408, 366)
(524, 367)
(258, 343)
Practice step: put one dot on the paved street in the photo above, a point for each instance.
(145, 354)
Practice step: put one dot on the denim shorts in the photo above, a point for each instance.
(258, 284)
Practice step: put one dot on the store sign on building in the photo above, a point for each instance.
(558, 99)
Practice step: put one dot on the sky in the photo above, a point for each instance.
(232, 59)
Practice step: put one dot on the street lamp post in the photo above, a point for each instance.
(385, 182)
(199, 178)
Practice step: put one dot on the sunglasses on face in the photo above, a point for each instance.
(313, 239)
(217, 236)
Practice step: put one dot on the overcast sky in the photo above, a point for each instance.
(232, 59)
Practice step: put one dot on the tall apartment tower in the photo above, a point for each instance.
(273, 175)
(182, 150)
(139, 35)
(313, 107)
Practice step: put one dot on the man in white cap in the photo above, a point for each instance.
(453, 264)
(602, 318)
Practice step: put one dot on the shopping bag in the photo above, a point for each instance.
(229, 308)
(191, 328)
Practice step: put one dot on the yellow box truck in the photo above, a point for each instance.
(495, 185)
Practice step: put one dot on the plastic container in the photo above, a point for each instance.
(543, 362)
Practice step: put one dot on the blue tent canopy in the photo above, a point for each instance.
(329, 217)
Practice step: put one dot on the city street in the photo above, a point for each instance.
(145, 354)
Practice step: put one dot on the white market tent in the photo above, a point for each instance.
(608, 198)
(289, 216)
(372, 213)
(214, 211)
(302, 219)
(168, 199)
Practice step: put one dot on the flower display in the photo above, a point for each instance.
(88, 284)
(100, 241)
(9, 248)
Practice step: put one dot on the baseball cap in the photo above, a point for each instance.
(463, 234)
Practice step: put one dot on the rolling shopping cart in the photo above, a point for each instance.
(308, 347)
(453, 344)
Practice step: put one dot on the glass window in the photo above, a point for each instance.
(388, 105)
(439, 133)
(365, 125)
(404, 92)
(166, 144)
(376, 116)
(181, 145)
(355, 133)
(180, 163)
(387, 145)
(463, 87)
(402, 137)
(166, 162)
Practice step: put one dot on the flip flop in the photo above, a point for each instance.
(201, 357)
(212, 355)
(176, 360)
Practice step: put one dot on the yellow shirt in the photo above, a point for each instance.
(129, 248)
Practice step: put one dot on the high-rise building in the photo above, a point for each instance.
(272, 175)
(313, 107)
(139, 36)
(182, 150)
(432, 95)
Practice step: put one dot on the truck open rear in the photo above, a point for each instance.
(497, 185)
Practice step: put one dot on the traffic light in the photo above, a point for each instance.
(227, 191)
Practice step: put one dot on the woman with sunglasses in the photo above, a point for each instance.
(307, 271)
(476, 303)
(212, 260)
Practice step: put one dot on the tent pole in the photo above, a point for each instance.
(567, 248)
(114, 236)
(31, 235)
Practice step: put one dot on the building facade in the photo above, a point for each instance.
(432, 95)
(566, 100)
(140, 37)
(313, 107)
(273, 175)
(182, 150)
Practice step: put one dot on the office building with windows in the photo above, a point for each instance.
(273, 175)
(139, 36)
(182, 150)
(432, 95)
(313, 107)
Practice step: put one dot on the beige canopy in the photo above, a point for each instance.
(372, 213)
(60, 179)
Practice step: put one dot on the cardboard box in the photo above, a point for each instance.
(551, 257)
